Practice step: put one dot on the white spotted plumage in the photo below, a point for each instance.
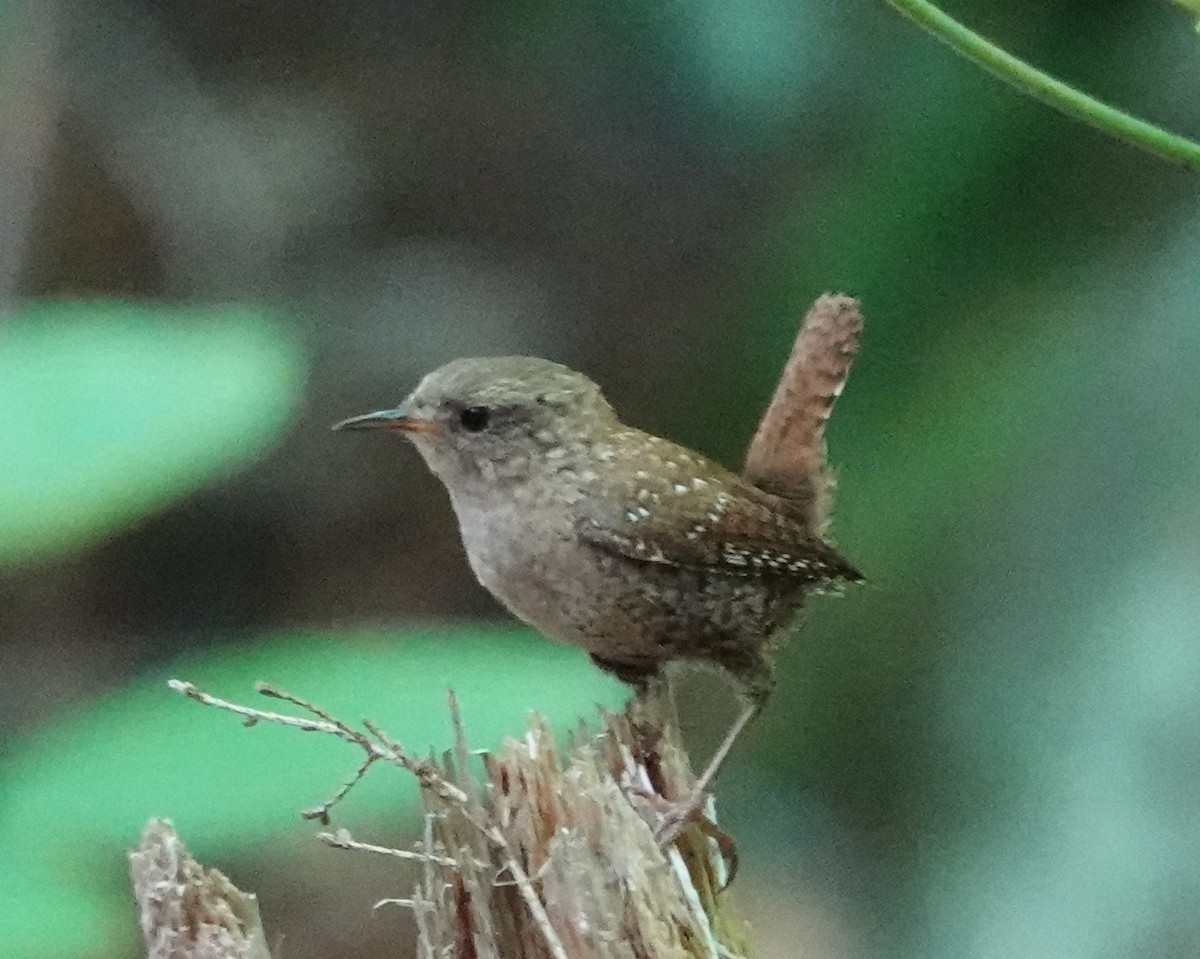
(725, 522)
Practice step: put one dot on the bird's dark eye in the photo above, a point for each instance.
(475, 418)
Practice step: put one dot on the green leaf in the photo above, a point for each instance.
(77, 793)
(110, 411)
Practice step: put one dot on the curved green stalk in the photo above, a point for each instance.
(1037, 84)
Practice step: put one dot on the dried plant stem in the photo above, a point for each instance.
(528, 855)
(343, 840)
(384, 748)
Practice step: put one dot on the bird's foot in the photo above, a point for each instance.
(674, 817)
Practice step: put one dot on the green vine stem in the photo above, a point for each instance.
(1061, 97)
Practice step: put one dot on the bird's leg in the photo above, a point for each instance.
(755, 675)
(684, 811)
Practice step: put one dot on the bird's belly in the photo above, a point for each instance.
(611, 606)
(550, 586)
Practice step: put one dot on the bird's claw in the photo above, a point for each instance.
(674, 817)
(677, 816)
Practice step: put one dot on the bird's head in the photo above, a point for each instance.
(492, 419)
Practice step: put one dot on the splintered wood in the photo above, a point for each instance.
(186, 910)
(529, 852)
(580, 827)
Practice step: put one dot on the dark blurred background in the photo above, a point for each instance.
(225, 225)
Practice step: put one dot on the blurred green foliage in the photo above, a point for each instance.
(1192, 7)
(77, 790)
(110, 411)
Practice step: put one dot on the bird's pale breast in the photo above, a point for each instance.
(530, 556)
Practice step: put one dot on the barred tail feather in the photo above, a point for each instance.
(787, 455)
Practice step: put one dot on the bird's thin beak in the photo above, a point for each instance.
(397, 419)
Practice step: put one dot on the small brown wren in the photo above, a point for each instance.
(634, 548)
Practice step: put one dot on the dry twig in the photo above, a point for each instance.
(546, 857)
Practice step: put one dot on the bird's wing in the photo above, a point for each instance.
(685, 511)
